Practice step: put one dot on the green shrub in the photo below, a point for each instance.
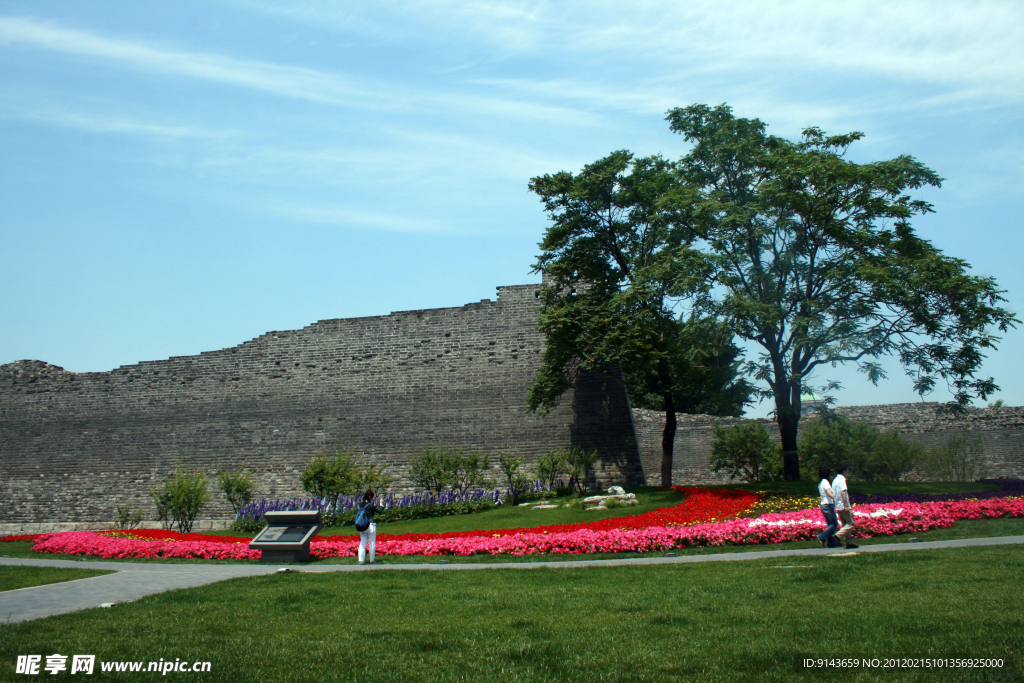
(515, 479)
(181, 497)
(870, 455)
(581, 466)
(611, 503)
(248, 524)
(747, 451)
(961, 459)
(127, 518)
(892, 457)
(332, 474)
(237, 487)
(552, 465)
(440, 467)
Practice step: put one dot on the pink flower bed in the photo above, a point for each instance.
(872, 520)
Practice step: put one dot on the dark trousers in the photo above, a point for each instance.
(829, 511)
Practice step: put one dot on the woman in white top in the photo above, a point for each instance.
(828, 509)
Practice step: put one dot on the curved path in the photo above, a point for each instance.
(134, 580)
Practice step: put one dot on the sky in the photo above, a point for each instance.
(183, 177)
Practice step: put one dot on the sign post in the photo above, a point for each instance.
(287, 536)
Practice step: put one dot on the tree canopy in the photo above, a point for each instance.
(813, 258)
(610, 257)
(788, 245)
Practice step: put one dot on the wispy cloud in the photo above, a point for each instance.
(344, 216)
(281, 80)
(978, 47)
(286, 81)
(116, 125)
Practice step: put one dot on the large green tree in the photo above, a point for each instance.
(613, 292)
(812, 257)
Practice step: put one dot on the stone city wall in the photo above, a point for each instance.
(1002, 430)
(73, 445)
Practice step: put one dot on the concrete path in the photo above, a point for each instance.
(134, 580)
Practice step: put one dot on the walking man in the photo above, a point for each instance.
(843, 507)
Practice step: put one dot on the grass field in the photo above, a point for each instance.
(12, 578)
(722, 622)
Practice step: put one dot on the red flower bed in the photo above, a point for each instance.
(167, 535)
(701, 505)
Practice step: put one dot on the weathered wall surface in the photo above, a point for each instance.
(72, 445)
(1002, 430)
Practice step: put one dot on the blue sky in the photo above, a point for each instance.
(183, 177)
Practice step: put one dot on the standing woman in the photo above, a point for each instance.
(367, 527)
(828, 509)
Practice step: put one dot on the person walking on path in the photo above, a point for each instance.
(367, 527)
(841, 496)
(828, 509)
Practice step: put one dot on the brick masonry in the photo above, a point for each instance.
(72, 445)
(1002, 430)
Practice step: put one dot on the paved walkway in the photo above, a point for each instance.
(134, 580)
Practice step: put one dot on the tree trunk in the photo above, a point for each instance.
(788, 419)
(668, 439)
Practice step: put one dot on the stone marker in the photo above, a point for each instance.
(287, 536)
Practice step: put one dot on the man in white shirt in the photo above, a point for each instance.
(843, 507)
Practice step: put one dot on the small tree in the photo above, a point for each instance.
(335, 473)
(550, 466)
(237, 487)
(435, 467)
(744, 451)
(181, 497)
(426, 468)
(464, 471)
(961, 459)
(127, 518)
(516, 480)
(581, 466)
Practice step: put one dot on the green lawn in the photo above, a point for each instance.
(12, 578)
(720, 622)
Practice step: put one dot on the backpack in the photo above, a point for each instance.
(362, 519)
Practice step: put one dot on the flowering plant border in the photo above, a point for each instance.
(873, 520)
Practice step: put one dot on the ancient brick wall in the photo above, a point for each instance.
(1002, 430)
(72, 445)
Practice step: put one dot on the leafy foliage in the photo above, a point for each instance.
(515, 479)
(237, 487)
(705, 366)
(831, 438)
(127, 518)
(181, 497)
(550, 466)
(437, 467)
(962, 458)
(813, 258)
(613, 285)
(581, 466)
(332, 474)
(745, 451)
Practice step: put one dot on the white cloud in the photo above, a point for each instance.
(977, 47)
(118, 125)
(286, 81)
(344, 216)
